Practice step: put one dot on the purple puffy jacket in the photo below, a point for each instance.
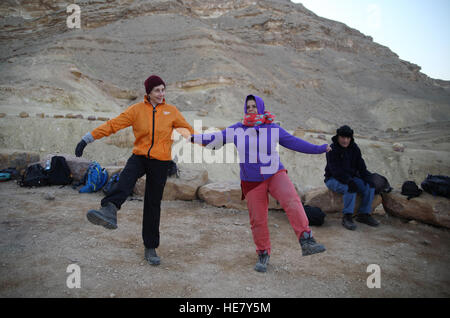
(256, 146)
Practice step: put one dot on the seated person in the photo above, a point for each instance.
(346, 173)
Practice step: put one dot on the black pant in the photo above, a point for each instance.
(156, 176)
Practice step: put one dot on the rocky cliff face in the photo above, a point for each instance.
(312, 72)
(323, 71)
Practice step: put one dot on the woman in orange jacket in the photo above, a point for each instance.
(153, 122)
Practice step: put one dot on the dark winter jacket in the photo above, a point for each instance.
(345, 163)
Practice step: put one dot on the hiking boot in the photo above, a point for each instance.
(347, 222)
(309, 245)
(106, 217)
(151, 256)
(263, 261)
(367, 219)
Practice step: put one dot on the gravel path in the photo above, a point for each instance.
(206, 252)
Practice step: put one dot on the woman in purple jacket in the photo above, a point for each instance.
(262, 172)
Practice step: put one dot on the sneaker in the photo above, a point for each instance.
(106, 216)
(263, 261)
(151, 256)
(309, 245)
(347, 222)
(367, 219)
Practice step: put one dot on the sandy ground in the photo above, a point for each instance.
(206, 252)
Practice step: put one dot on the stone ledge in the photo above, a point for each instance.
(20, 159)
(228, 195)
(332, 202)
(425, 208)
(183, 188)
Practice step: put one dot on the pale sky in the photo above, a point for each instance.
(418, 31)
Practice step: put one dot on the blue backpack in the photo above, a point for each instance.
(95, 178)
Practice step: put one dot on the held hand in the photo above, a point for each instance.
(80, 147)
(370, 183)
(329, 148)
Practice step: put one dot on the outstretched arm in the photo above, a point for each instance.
(214, 140)
(182, 126)
(110, 127)
(291, 142)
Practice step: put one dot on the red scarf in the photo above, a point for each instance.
(258, 119)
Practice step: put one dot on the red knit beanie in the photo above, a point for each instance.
(153, 81)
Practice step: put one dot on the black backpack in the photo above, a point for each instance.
(411, 190)
(59, 172)
(437, 185)
(34, 176)
(381, 183)
(315, 215)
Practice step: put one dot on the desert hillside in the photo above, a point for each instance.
(313, 73)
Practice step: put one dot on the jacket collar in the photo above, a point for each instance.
(147, 101)
(338, 146)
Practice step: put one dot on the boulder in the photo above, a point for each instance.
(426, 208)
(182, 188)
(75, 72)
(20, 159)
(398, 147)
(228, 195)
(202, 112)
(332, 202)
(78, 166)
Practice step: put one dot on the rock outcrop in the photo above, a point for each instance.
(19, 159)
(269, 47)
(425, 208)
(228, 195)
(182, 188)
(332, 202)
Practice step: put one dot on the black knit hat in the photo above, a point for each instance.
(345, 131)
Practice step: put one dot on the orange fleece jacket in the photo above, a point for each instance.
(140, 117)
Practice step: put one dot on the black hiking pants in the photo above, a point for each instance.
(156, 176)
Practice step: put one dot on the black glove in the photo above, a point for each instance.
(352, 187)
(370, 183)
(80, 147)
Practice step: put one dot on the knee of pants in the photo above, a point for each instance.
(258, 219)
(369, 191)
(292, 204)
(336, 186)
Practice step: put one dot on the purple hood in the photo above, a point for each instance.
(259, 104)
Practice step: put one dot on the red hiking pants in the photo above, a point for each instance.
(282, 189)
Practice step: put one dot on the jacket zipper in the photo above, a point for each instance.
(153, 132)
